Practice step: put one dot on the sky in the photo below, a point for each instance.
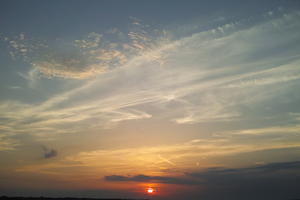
(194, 99)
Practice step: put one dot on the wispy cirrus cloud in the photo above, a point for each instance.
(191, 86)
(171, 161)
(183, 156)
(7, 143)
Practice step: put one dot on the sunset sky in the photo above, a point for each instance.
(195, 99)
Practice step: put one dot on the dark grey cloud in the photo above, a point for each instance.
(157, 179)
(49, 153)
(272, 169)
(274, 181)
(269, 181)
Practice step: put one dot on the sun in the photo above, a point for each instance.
(150, 190)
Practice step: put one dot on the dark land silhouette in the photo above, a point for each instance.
(61, 198)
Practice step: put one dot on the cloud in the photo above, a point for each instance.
(268, 130)
(155, 179)
(15, 87)
(7, 143)
(32, 76)
(190, 87)
(18, 46)
(182, 155)
(268, 181)
(92, 41)
(239, 80)
(248, 172)
(70, 68)
(49, 153)
(86, 57)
